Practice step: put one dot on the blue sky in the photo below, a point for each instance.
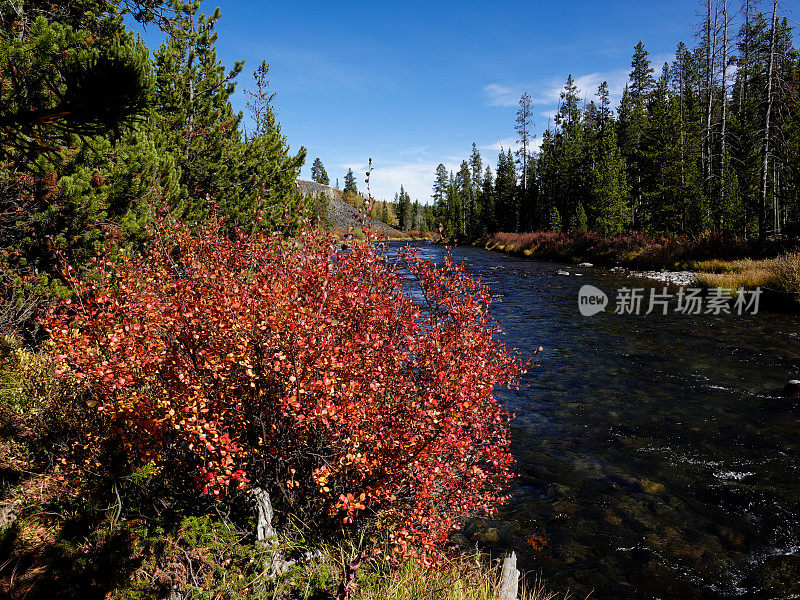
(412, 84)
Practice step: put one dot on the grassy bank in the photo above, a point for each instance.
(125, 537)
(773, 266)
(779, 275)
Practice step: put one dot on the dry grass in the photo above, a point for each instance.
(786, 272)
(732, 275)
(460, 579)
(780, 274)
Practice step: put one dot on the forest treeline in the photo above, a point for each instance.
(710, 141)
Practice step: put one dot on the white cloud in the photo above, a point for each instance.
(548, 94)
(501, 95)
(547, 119)
(587, 87)
(500, 144)
(416, 177)
(510, 142)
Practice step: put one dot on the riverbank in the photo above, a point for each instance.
(713, 261)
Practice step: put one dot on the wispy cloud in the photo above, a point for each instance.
(547, 94)
(501, 95)
(510, 142)
(416, 176)
(306, 71)
(587, 87)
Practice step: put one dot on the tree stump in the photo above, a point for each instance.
(509, 579)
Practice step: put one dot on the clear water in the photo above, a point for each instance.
(657, 457)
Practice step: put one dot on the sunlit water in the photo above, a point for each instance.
(657, 457)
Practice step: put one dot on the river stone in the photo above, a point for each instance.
(560, 272)
(490, 536)
(651, 487)
(585, 264)
(792, 388)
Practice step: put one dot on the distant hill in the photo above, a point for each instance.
(342, 215)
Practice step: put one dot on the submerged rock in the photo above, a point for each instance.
(651, 487)
(561, 272)
(491, 536)
(792, 388)
(585, 264)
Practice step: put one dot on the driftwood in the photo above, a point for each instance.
(509, 579)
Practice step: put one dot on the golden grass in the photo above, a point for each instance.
(758, 274)
(780, 274)
(465, 578)
(786, 271)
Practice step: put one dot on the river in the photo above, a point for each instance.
(656, 455)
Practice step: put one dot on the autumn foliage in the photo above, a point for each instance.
(347, 384)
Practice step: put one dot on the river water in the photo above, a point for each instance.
(656, 456)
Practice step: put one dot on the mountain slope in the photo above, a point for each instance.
(342, 215)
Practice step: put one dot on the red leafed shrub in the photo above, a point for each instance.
(307, 371)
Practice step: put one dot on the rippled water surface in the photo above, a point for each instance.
(656, 455)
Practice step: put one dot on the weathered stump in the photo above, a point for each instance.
(509, 579)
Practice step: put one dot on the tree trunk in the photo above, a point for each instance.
(711, 44)
(762, 223)
(745, 63)
(723, 148)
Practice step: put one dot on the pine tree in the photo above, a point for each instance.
(529, 199)
(476, 164)
(524, 129)
(505, 193)
(686, 90)
(546, 179)
(662, 193)
(486, 204)
(404, 217)
(632, 123)
(78, 153)
(569, 149)
(609, 187)
(467, 197)
(193, 91)
(318, 172)
(554, 223)
(453, 207)
(350, 186)
(440, 193)
(266, 193)
(579, 223)
(415, 216)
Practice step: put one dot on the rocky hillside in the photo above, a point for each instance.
(342, 215)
